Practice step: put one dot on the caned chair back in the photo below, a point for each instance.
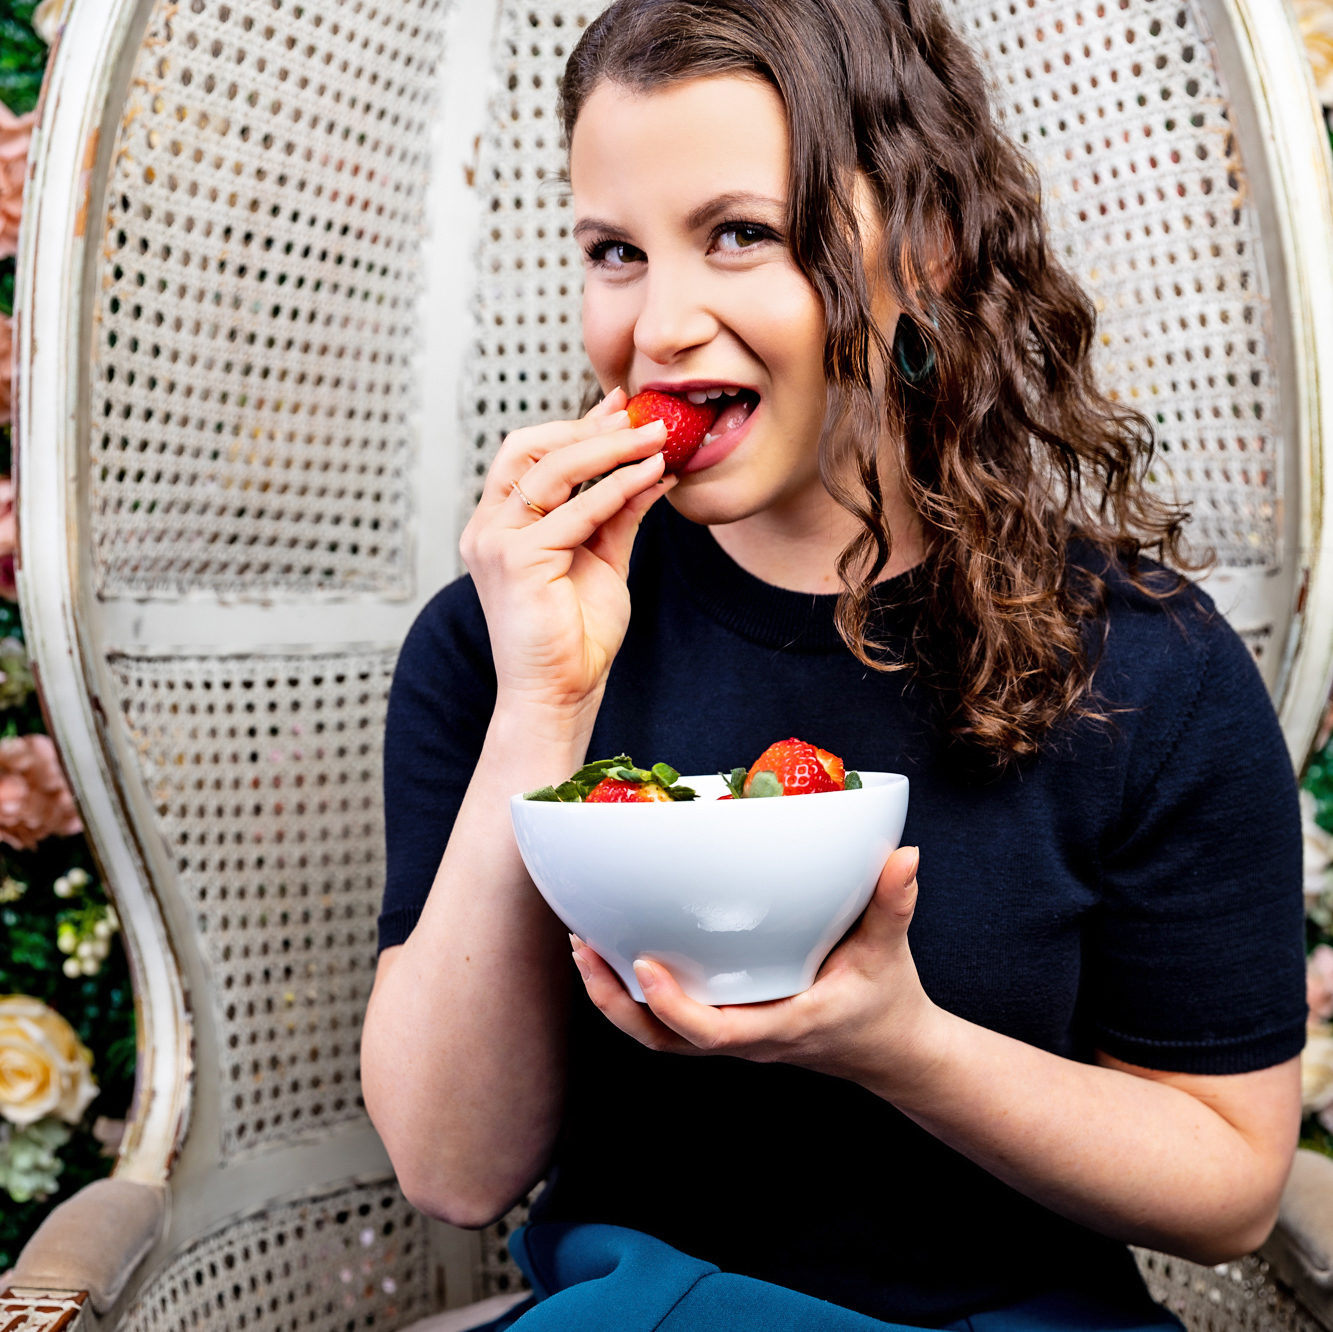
(291, 270)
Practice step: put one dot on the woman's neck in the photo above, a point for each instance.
(797, 547)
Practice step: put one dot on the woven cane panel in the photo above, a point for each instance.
(357, 1258)
(254, 331)
(528, 364)
(1234, 1297)
(265, 776)
(1120, 106)
(500, 1274)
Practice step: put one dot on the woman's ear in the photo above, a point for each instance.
(870, 232)
(870, 228)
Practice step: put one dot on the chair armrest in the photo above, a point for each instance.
(1300, 1248)
(94, 1241)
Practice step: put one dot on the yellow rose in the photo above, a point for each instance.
(1315, 18)
(44, 1067)
(47, 18)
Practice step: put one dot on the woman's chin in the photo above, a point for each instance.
(709, 506)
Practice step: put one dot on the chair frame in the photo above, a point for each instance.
(1294, 137)
(69, 155)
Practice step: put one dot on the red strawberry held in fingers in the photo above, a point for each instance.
(687, 423)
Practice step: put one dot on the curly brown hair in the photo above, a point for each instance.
(1006, 446)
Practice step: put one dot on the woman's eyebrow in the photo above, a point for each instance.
(589, 224)
(731, 202)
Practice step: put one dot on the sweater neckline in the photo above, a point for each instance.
(775, 616)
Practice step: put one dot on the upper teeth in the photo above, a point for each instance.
(700, 396)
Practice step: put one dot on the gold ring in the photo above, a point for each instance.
(516, 489)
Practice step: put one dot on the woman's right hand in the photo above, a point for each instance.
(552, 584)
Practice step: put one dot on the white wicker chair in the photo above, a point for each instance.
(290, 270)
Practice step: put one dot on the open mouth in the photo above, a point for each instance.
(733, 408)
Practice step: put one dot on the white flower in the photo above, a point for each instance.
(1317, 1068)
(29, 1164)
(1317, 846)
(16, 681)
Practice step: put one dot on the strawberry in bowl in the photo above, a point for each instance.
(616, 781)
(741, 899)
(791, 767)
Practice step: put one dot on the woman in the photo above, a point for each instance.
(920, 538)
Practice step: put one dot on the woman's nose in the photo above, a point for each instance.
(674, 317)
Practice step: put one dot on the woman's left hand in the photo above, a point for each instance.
(865, 1010)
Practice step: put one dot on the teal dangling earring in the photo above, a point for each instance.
(912, 354)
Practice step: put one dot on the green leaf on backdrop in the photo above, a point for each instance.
(7, 270)
(11, 621)
(1318, 780)
(22, 56)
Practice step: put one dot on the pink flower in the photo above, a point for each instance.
(34, 800)
(8, 539)
(1319, 982)
(15, 135)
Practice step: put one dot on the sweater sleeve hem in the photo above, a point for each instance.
(395, 926)
(1243, 1054)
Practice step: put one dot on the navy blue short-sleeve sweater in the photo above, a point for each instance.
(1135, 888)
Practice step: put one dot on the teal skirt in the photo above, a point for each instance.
(595, 1278)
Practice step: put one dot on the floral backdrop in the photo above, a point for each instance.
(66, 1009)
(67, 1042)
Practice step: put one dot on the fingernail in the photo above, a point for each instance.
(916, 860)
(616, 420)
(646, 974)
(584, 969)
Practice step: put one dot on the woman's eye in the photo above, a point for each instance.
(745, 236)
(612, 254)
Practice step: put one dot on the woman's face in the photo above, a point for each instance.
(680, 208)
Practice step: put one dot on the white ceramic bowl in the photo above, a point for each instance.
(741, 900)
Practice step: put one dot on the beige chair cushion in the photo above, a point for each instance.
(1301, 1246)
(94, 1241)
